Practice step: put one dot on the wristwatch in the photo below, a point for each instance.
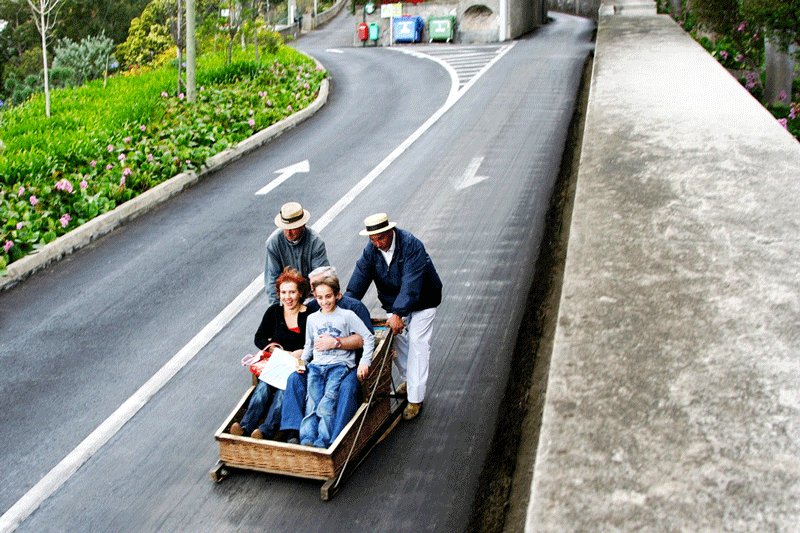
(338, 343)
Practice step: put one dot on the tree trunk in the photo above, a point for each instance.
(44, 63)
(780, 68)
(255, 27)
(675, 9)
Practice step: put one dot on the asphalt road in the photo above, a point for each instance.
(80, 338)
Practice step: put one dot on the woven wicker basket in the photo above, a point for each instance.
(317, 463)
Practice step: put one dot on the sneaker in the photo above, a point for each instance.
(412, 410)
(236, 429)
(293, 440)
(256, 434)
(401, 390)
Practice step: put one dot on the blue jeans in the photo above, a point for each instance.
(324, 381)
(294, 402)
(259, 402)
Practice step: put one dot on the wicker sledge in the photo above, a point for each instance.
(373, 420)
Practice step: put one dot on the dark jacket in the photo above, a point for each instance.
(273, 328)
(409, 284)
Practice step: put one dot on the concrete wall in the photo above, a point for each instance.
(472, 25)
(673, 398)
(583, 8)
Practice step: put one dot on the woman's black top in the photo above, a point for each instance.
(273, 329)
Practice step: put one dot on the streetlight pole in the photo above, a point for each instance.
(191, 52)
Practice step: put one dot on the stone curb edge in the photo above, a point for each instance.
(124, 213)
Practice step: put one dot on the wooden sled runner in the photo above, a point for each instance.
(375, 418)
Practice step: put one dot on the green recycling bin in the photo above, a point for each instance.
(373, 31)
(441, 28)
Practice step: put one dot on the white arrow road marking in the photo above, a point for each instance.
(285, 174)
(469, 178)
(334, 51)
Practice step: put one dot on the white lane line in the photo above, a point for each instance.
(54, 479)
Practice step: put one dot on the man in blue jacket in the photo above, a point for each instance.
(409, 289)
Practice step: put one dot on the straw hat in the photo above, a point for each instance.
(292, 216)
(377, 223)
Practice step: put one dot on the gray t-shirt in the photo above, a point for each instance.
(339, 323)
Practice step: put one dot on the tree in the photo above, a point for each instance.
(780, 19)
(44, 13)
(148, 36)
(78, 19)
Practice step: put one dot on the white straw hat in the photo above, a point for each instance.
(377, 223)
(292, 216)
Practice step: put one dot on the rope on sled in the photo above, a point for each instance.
(364, 417)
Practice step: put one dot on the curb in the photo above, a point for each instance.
(133, 208)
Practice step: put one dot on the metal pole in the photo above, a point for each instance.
(191, 51)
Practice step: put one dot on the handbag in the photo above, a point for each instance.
(257, 361)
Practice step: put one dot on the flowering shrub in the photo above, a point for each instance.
(101, 149)
(788, 116)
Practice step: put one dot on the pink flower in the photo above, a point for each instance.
(723, 54)
(126, 172)
(122, 181)
(793, 111)
(121, 157)
(164, 94)
(92, 163)
(142, 127)
(202, 88)
(252, 123)
(288, 108)
(65, 218)
(269, 103)
(64, 185)
(20, 224)
(181, 96)
(110, 148)
(150, 157)
(21, 191)
(782, 122)
(84, 184)
(126, 140)
(742, 26)
(33, 200)
(109, 166)
(782, 96)
(739, 58)
(8, 245)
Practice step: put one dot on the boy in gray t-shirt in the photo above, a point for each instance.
(328, 362)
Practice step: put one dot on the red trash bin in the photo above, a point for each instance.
(363, 31)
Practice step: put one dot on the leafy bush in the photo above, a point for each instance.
(89, 59)
(104, 146)
(148, 36)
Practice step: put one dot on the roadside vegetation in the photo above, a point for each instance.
(741, 34)
(113, 135)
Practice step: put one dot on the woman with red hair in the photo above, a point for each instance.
(283, 326)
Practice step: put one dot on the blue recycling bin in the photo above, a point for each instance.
(408, 29)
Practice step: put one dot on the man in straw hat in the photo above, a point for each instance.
(292, 244)
(409, 289)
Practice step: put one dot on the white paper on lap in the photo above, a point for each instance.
(278, 368)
